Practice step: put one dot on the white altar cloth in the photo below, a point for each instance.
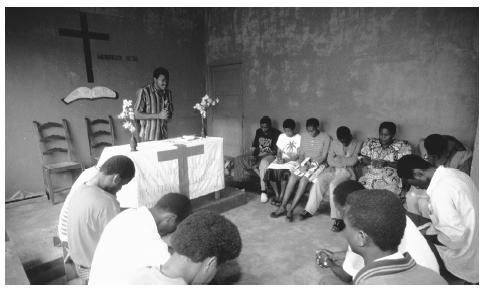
(157, 169)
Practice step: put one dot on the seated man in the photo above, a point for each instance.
(312, 157)
(342, 156)
(438, 150)
(278, 171)
(454, 212)
(263, 151)
(374, 231)
(91, 208)
(412, 242)
(133, 240)
(201, 242)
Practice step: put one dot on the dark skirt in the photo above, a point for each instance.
(276, 175)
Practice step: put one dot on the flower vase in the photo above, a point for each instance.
(133, 143)
(204, 128)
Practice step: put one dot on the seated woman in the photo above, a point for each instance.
(263, 151)
(312, 155)
(342, 157)
(288, 145)
(381, 155)
(439, 150)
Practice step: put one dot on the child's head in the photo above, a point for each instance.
(200, 243)
(312, 125)
(375, 219)
(265, 123)
(289, 127)
(344, 136)
(342, 191)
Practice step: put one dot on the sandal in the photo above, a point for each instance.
(338, 225)
(273, 201)
(289, 216)
(277, 214)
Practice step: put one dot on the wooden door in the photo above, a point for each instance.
(227, 119)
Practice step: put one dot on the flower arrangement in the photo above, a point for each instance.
(205, 104)
(128, 116)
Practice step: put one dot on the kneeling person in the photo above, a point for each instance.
(374, 231)
(133, 239)
(200, 243)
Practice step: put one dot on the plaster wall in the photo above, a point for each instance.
(417, 67)
(43, 67)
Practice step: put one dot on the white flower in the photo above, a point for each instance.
(131, 115)
(132, 129)
(217, 100)
(205, 97)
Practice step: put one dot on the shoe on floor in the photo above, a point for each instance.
(304, 215)
(338, 225)
(263, 197)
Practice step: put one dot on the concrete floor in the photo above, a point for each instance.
(277, 252)
(274, 251)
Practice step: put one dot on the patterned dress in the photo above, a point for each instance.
(386, 177)
(151, 100)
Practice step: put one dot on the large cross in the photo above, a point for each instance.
(86, 40)
(182, 154)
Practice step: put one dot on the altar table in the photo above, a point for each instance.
(192, 167)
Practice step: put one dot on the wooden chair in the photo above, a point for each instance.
(100, 133)
(54, 139)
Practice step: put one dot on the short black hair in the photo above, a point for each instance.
(119, 164)
(289, 123)
(177, 204)
(380, 214)
(206, 234)
(266, 120)
(341, 192)
(390, 126)
(161, 71)
(435, 144)
(312, 122)
(407, 163)
(343, 132)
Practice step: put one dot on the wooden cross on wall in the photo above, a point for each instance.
(86, 36)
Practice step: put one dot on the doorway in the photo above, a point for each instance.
(227, 121)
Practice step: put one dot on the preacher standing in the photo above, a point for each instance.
(154, 107)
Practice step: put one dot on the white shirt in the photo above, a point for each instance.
(129, 242)
(289, 145)
(153, 276)
(86, 175)
(454, 211)
(412, 242)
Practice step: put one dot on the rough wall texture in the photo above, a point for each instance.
(43, 67)
(355, 67)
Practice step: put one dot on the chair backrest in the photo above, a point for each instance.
(54, 138)
(100, 133)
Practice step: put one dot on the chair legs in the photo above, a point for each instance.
(50, 188)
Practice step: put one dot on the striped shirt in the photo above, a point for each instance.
(397, 271)
(315, 147)
(152, 101)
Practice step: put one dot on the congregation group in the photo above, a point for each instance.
(388, 243)
(411, 217)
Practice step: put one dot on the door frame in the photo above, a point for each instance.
(209, 84)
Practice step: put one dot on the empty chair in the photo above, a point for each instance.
(100, 133)
(56, 154)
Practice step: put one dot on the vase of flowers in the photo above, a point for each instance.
(127, 116)
(203, 106)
